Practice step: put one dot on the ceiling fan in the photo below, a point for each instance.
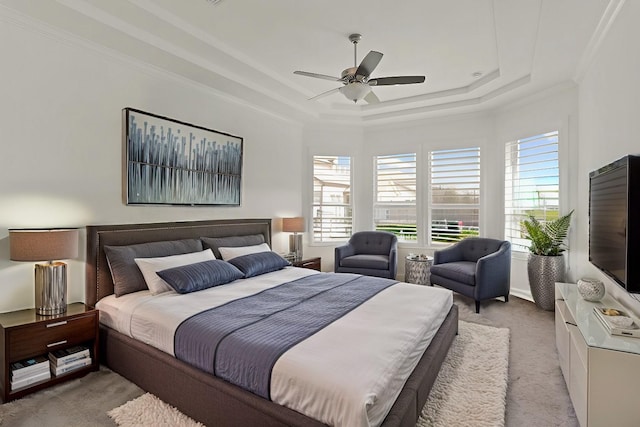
(357, 81)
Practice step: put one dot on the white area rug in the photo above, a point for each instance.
(148, 410)
(470, 389)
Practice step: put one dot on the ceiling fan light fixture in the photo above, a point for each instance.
(356, 80)
(355, 91)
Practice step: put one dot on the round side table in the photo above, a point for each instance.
(418, 270)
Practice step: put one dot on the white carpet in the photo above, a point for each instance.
(148, 410)
(470, 389)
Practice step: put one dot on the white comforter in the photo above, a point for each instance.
(348, 374)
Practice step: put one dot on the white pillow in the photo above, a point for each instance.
(150, 266)
(230, 253)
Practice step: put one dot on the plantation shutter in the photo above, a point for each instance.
(394, 209)
(455, 194)
(532, 178)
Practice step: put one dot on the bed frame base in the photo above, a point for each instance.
(215, 402)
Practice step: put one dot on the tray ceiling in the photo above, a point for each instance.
(475, 54)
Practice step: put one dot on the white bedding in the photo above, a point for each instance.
(348, 374)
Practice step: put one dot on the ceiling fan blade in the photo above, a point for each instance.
(323, 94)
(398, 80)
(369, 63)
(371, 98)
(318, 76)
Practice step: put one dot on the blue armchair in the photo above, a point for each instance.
(371, 253)
(477, 267)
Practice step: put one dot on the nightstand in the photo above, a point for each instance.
(310, 263)
(25, 334)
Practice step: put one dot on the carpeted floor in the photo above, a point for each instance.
(536, 395)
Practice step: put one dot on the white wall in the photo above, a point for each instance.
(609, 103)
(60, 115)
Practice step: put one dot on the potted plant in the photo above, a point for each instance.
(545, 265)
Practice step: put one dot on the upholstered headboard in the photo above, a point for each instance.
(98, 277)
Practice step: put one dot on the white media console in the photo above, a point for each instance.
(602, 371)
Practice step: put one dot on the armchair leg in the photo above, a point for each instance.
(477, 306)
(506, 298)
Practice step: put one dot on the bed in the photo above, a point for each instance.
(204, 397)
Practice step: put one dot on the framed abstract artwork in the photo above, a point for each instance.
(169, 162)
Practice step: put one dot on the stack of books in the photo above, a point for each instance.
(29, 371)
(69, 359)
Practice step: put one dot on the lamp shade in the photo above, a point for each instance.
(43, 244)
(293, 225)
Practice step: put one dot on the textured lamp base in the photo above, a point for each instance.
(51, 288)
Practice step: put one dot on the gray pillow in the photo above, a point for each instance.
(259, 263)
(214, 243)
(125, 273)
(199, 276)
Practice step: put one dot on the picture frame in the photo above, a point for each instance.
(170, 162)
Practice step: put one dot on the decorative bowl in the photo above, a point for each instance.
(591, 289)
(621, 321)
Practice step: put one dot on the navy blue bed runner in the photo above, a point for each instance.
(241, 341)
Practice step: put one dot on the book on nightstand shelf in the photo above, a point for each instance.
(17, 384)
(70, 366)
(29, 371)
(67, 355)
(617, 322)
(29, 367)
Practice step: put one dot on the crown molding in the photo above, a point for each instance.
(414, 113)
(606, 21)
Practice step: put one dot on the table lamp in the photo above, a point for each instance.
(295, 226)
(50, 277)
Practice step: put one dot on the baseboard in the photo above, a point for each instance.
(521, 294)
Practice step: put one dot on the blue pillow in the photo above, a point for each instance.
(259, 263)
(201, 275)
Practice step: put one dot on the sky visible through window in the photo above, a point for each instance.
(532, 183)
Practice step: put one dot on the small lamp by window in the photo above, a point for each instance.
(50, 277)
(295, 226)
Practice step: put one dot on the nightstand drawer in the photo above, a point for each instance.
(42, 337)
(311, 263)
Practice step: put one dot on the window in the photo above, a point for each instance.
(394, 209)
(332, 210)
(455, 194)
(531, 184)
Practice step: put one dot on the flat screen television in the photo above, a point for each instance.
(614, 221)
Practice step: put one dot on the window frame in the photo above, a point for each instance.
(312, 205)
(376, 182)
(520, 250)
(478, 147)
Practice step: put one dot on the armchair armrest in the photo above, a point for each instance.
(393, 259)
(343, 252)
(494, 270)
